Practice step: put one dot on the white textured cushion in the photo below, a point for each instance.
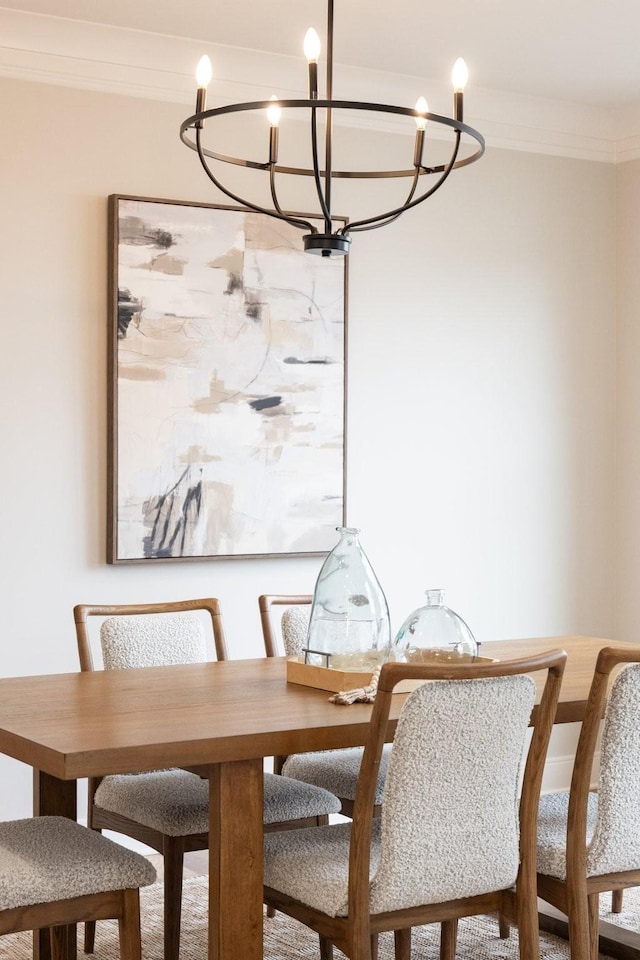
(552, 832)
(335, 770)
(613, 833)
(295, 626)
(152, 640)
(176, 802)
(51, 858)
(616, 839)
(312, 865)
(449, 825)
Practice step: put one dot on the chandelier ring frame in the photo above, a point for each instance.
(197, 121)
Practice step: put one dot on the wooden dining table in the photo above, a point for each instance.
(221, 720)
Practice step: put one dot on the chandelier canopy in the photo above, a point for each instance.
(335, 236)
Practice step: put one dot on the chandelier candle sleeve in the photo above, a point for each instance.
(459, 77)
(422, 109)
(203, 79)
(312, 53)
(273, 116)
(202, 132)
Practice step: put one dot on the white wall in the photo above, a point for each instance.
(628, 413)
(481, 390)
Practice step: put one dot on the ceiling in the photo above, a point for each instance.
(576, 51)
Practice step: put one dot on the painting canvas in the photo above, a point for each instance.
(227, 385)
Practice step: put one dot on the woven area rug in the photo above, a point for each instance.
(285, 939)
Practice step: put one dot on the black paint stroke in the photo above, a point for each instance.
(299, 360)
(173, 517)
(265, 403)
(128, 306)
(234, 282)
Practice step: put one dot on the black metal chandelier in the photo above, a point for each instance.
(333, 239)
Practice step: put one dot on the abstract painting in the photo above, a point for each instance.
(227, 385)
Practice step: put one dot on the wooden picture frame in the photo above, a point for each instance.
(227, 385)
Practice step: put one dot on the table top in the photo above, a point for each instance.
(90, 724)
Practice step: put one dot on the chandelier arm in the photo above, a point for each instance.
(371, 223)
(294, 221)
(326, 213)
(272, 185)
(396, 216)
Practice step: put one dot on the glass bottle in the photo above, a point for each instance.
(434, 632)
(349, 625)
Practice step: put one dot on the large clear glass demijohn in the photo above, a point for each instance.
(349, 625)
(434, 633)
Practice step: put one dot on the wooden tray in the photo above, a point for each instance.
(327, 678)
(324, 678)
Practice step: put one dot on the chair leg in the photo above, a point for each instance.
(528, 931)
(90, 925)
(90, 936)
(504, 927)
(402, 940)
(173, 852)
(578, 921)
(374, 946)
(326, 949)
(616, 901)
(448, 939)
(62, 941)
(129, 926)
(594, 922)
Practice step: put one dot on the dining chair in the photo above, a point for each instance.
(168, 810)
(457, 834)
(589, 840)
(335, 770)
(53, 872)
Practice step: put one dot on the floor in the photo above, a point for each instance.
(195, 864)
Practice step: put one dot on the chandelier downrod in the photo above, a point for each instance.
(333, 240)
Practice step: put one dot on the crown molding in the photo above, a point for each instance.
(135, 63)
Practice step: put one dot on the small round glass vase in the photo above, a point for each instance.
(349, 625)
(434, 633)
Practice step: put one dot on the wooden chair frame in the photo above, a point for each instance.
(82, 612)
(578, 895)
(266, 602)
(355, 934)
(173, 849)
(120, 905)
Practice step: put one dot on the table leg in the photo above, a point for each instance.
(54, 797)
(235, 860)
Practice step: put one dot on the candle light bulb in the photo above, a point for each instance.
(311, 45)
(204, 72)
(274, 112)
(459, 75)
(421, 107)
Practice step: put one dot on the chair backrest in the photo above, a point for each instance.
(151, 634)
(289, 639)
(459, 817)
(615, 843)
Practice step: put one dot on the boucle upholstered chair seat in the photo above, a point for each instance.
(176, 803)
(335, 770)
(552, 832)
(168, 809)
(456, 833)
(55, 872)
(590, 843)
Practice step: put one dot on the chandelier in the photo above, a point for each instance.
(423, 180)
